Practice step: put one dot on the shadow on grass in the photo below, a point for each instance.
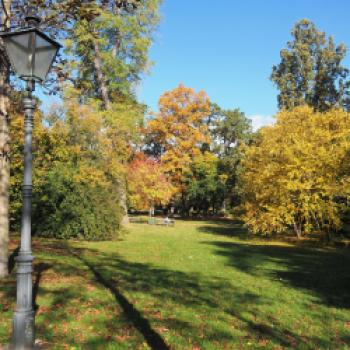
(12, 260)
(110, 271)
(323, 272)
(215, 296)
(39, 270)
(212, 303)
(153, 339)
(226, 228)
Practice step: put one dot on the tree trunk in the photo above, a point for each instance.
(184, 209)
(297, 230)
(4, 158)
(4, 169)
(123, 201)
(100, 76)
(101, 81)
(117, 39)
(329, 236)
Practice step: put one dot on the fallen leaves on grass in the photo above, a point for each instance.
(263, 342)
(162, 329)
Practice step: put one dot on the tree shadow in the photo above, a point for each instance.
(226, 228)
(190, 291)
(153, 339)
(12, 260)
(109, 270)
(323, 272)
(165, 291)
(39, 269)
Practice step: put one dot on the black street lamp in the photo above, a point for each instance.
(31, 54)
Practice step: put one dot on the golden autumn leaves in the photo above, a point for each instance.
(179, 131)
(296, 174)
(293, 176)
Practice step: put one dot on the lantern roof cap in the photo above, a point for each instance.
(28, 30)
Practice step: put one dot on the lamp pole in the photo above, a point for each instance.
(31, 54)
(23, 321)
(23, 336)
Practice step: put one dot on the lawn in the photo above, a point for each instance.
(198, 285)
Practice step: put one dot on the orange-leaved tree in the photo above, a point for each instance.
(147, 183)
(178, 132)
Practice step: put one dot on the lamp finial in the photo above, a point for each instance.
(32, 18)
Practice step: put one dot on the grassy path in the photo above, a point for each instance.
(199, 285)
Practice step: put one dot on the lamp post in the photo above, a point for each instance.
(31, 54)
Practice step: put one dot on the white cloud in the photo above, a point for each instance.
(261, 120)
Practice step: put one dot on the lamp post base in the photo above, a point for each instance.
(39, 345)
(23, 334)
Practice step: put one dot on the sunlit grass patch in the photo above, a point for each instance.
(198, 285)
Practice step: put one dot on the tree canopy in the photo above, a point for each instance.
(295, 175)
(311, 71)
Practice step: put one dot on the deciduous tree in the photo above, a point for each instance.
(148, 184)
(294, 176)
(109, 43)
(178, 132)
(4, 145)
(229, 128)
(205, 186)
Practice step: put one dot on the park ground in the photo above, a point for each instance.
(198, 285)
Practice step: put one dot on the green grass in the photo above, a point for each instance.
(198, 285)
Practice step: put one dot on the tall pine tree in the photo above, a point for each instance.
(311, 71)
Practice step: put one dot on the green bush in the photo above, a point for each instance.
(66, 209)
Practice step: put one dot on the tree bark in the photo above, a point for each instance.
(123, 203)
(116, 11)
(297, 230)
(101, 81)
(4, 157)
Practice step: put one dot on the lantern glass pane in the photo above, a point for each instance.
(31, 53)
(45, 53)
(19, 52)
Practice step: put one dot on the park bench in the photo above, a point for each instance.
(161, 222)
(166, 223)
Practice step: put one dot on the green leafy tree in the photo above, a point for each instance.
(205, 186)
(311, 71)
(78, 194)
(229, 128)
(109, 46)
(109, 43)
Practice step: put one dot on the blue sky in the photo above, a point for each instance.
(228, 47)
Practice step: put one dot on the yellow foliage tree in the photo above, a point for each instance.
(295, 174)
